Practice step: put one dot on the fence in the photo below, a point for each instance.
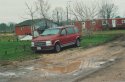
(12, 49)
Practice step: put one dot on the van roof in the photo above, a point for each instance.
(66, 26)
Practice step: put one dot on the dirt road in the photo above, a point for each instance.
(66, 66)
(114, 73)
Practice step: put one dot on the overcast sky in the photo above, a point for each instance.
(15, 10)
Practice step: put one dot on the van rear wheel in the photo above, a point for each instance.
(77, 43)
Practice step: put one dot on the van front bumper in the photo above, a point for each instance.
(36, 48)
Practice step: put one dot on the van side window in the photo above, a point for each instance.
(76, 29)
(63, 32)
(104, 22)
(70, 30)
(123, 21)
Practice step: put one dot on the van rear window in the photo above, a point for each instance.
(70, 30)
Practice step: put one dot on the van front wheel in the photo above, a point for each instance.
(57, 48)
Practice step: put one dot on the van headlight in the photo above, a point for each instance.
(48, 43)
(32, 44)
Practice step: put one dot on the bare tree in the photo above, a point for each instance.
(85, 12)
(31, 13)
(107, 9)
(43, 8)
(58, 15)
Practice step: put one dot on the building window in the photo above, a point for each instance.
(104, 22)
(93, 22)
(21, 29)
(123, 21)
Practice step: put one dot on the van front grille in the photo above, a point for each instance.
(40, 44)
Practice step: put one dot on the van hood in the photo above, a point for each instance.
(44, 38)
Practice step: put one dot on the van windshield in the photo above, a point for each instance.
(52, 31)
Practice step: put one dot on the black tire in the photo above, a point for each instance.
(77, 44)
(57, 47)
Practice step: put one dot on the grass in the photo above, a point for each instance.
(7, 38)
(100, 37)
(13, 50)
(114, 32)
(96, 39)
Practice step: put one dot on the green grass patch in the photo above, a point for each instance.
(100, 37)
(16, 51)
(95, 40)
(13, 50)
(7, 38)
(115, 32)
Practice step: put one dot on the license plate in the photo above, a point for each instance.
(38, 48)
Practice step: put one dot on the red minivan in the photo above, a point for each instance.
(56, 38)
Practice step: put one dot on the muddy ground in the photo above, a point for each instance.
(71, 65)
(113, 73)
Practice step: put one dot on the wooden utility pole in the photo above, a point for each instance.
(68, 9)
(67, 15)
(58, 17)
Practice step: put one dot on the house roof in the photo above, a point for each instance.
(30, 22)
